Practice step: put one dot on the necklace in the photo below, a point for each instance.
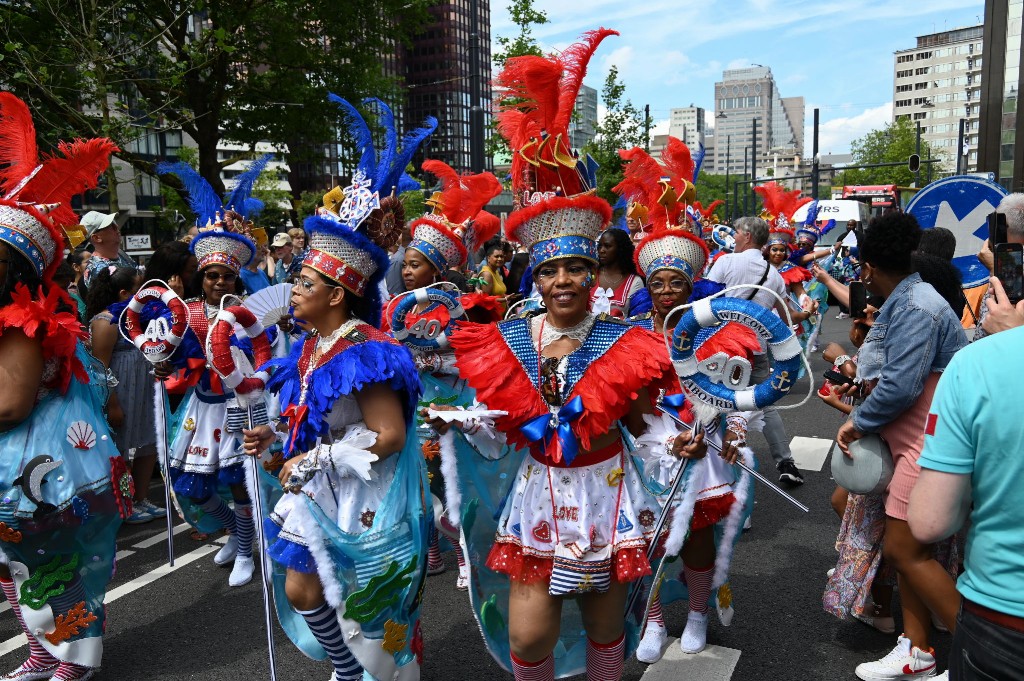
(322, 348)
(549, 333)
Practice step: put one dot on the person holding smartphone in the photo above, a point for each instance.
(998, 310)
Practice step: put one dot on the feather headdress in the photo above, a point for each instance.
(445, 235)
(556, 216)
(810, 229)
(665, 189)
(779, 204)
(240, 198)
(36, 191)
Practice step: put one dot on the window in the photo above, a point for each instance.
(902, 102)
(904, 74)
(920, 116)
(904, 58)
(904, 88)
(923, 55)
(921, 86)
(921, 71)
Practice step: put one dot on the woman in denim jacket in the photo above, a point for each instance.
(915, 333)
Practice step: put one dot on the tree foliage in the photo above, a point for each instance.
(623, 127)
(525, 16)
(892, 144)
(246, 71)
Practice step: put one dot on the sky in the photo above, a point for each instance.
(837, 55)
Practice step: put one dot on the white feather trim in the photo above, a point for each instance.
(740, 492)
(315, 542)
(450, 472)
(682, 513)
(659, 465)
(352, 456)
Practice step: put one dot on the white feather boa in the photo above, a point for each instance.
(449, 470)
(682, 512)
(741, 490)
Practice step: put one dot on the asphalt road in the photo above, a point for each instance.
(188, 624)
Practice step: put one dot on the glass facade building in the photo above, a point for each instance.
(1001, 148)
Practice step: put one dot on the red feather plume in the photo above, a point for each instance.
(678, 160)
(485, 226)
(574, 61)
(462, 196)
(77, 168)
(18, 152)
(710, 210)
(778, 201)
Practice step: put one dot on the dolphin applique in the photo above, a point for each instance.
(32, 480)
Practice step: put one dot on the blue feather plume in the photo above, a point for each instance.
(698, 161)
(619, 209)
(812, 213)
(361, 134)
(238, 199)
(386, 156)
(253, 208)
(397, 177)
(202, 199)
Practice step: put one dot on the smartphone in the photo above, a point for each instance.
(1009, 267)
(858, 300)
(836, 378)
(996, 229)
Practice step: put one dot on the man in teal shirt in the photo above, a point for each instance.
(974, 453)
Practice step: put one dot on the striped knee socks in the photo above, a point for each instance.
(606, 660)
(544, 670)
(244, 528)
(699, 584)
(38, 657)
(327, 631)
(219, 511)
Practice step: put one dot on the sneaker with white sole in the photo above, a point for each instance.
(462, 583)
(904, 663)
(227, 552)
(157, 511)
(653, 643)
(140, 515)
(241, 573)
(31, 670)
(789, 473)
(695, 635)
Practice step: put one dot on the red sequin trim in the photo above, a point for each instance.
(708, 512)
(630, 564)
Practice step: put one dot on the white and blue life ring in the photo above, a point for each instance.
(722, 381)
(427, 334)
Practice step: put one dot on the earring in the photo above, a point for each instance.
(588, 281)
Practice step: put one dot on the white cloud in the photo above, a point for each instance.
(661, 127)
(835, 135)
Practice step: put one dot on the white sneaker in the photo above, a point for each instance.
(831, 571)
(886, 625)
(462, 583)
(746, 524)
(31, 670)
(944, 676)
(241, 573)
(695, 635)
(227, 552)
(653, 643)
(904, 663)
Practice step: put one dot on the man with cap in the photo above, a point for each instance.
(281, 248)
(102, 229)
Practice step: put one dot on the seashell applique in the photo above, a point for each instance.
(81, 435)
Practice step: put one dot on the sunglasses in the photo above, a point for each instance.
(217, 276)
(676, 286)
(307, 285)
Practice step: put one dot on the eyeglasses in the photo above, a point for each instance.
(217, 276)
(676, 286)
(307, 285)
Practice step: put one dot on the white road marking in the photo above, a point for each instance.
(160, 536)
(810, 453)
(18, 641)
(714, 663)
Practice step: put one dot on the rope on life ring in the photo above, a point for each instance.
(221, 358)
(724, 381)
(425, 333)
(157, 341)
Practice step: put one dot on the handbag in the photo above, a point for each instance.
(868, 469)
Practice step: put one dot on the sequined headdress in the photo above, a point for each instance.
(810, 229)
(218, 246)
(350, 236)
(557, 215)
(665, 189)
(675, 249)
(780, 235)
(444, 235)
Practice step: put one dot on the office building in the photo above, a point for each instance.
(687, 124)
(583, 127)
(443, 67)
(1000, 145)
(747, 101)
(937, 83)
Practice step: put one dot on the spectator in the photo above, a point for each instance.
(913, 337)
(283, 258)
(997, 314)
(617, 280)
(105, 234)
(747, 266)
(490, 272)
(172, 262)
(254, 278)
(971, 467)
(393, 279)
(938, 241)
(64, 278)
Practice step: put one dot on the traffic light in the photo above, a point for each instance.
(914, 163)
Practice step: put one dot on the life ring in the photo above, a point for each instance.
(425, 333)
(221, 359)
(722, 381)
(157, 342)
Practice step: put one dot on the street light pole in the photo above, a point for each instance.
(917, 173)
(753, 151)
(960, 149)
(815, 162)
(476, 111)
(745, 192)
(728, 143)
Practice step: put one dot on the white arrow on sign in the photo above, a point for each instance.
(967, 243)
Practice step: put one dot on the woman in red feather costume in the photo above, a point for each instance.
(573, 390)
(64, 487)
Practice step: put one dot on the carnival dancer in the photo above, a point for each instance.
(65, 487)
(779, 246)
(349, 541)
(577, 518)
(671, 258)
(440, 242)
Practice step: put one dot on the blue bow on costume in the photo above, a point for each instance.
(674, 402)
(542, 428)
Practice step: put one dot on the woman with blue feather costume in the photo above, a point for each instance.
(348, 536)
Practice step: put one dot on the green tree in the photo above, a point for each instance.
(243, 71)
(892, 144)
(623, 127)
(525, 16)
